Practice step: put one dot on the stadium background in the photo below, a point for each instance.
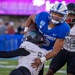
(14, 11)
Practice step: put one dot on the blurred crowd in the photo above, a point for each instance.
(11, 28)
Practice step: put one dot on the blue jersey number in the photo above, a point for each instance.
(47, 42)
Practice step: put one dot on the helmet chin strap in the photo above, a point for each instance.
(54, 21)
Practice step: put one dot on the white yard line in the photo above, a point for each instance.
(60, 71)
(14, 66)
(1, 62)
(3, 66)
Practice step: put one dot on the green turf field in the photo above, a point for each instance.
(7, 65)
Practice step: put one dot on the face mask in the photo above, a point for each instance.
(69, 20)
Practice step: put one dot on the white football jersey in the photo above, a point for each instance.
(70, 40)
(35, 52)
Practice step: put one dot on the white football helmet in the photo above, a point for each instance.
(59, 8)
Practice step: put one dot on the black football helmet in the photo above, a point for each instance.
(71, 8)
(34, 37)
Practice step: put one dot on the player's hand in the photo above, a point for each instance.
(36, 63)
(25, 33)
(26, 30)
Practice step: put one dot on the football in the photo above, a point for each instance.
(33, 27)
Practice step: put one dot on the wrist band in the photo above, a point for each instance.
(26, 29)
(43, 59)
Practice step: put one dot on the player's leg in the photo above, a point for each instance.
(70, 74)
(16, 72)
(57, 62)
(71, 63)
(41, 71)
(20, 71)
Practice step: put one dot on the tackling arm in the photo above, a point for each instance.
(14, 53)
(57, 47)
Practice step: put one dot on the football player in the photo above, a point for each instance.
(28, 51)
(53, 27)
(67, 54)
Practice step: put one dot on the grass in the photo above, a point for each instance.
(6, 65)
(60, 72)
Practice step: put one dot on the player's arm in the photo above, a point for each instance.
(29, 22)
(58, 43)
(14, 53)
(57, 47)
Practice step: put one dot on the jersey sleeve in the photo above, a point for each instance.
(38, 17)
(27, 46)
(63, 33)
(14, 53)
(23, 45)
(41, 16)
